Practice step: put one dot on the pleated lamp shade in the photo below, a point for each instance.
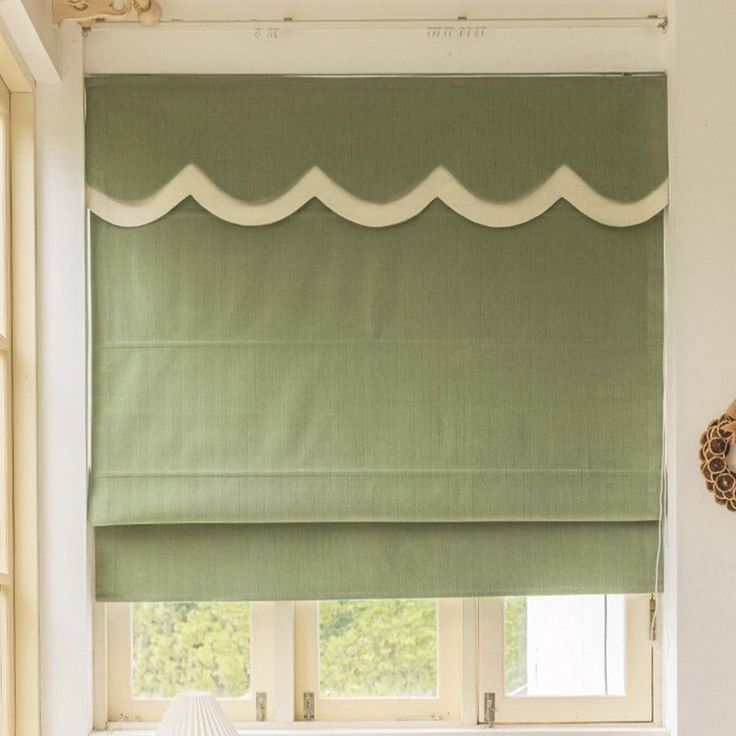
(195, 713)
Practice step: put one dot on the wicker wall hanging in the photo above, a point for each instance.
(715, 444)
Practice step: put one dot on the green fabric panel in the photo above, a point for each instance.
(322, 561)
(377, 137)
(318, 371)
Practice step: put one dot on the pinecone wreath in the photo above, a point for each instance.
(715, 444)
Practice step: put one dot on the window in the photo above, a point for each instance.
(159, 649)
(577, 658)
(377, 660)
(203, 646)
(546, 659)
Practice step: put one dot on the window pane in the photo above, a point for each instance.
(564, 645)
(378, 649)
(180, 646)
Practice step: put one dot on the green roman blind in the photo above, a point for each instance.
(375, 337)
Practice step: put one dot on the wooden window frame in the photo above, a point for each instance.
(124, 707)
(636, 706)
(446, 706)
(7, 554)
(19, 604)
(470, 662)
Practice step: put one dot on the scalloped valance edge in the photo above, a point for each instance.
(440, 184)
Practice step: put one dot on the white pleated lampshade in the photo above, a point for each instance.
(195, 713)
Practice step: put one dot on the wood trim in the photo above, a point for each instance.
(25, 416)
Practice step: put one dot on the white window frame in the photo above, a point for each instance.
(7, 593)
(22, 711)
(123, 707)
(636, 706)
(19, 613)
(284, 664)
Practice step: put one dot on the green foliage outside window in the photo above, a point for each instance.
(181, 646)
(514, 629)
(384, 648)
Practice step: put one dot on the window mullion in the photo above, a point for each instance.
(469, 661)
(284, 682)
(490, 650)
(100, 666)
(264, 641)
(306, 652)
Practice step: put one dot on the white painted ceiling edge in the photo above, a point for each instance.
(439, 185)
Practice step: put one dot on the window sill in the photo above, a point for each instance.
(393, 728)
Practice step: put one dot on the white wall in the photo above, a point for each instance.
(701, 259)
(65, 637)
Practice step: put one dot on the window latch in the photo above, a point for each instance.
(489, 709)
(309, 706)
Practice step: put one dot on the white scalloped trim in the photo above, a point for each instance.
(440, 184)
